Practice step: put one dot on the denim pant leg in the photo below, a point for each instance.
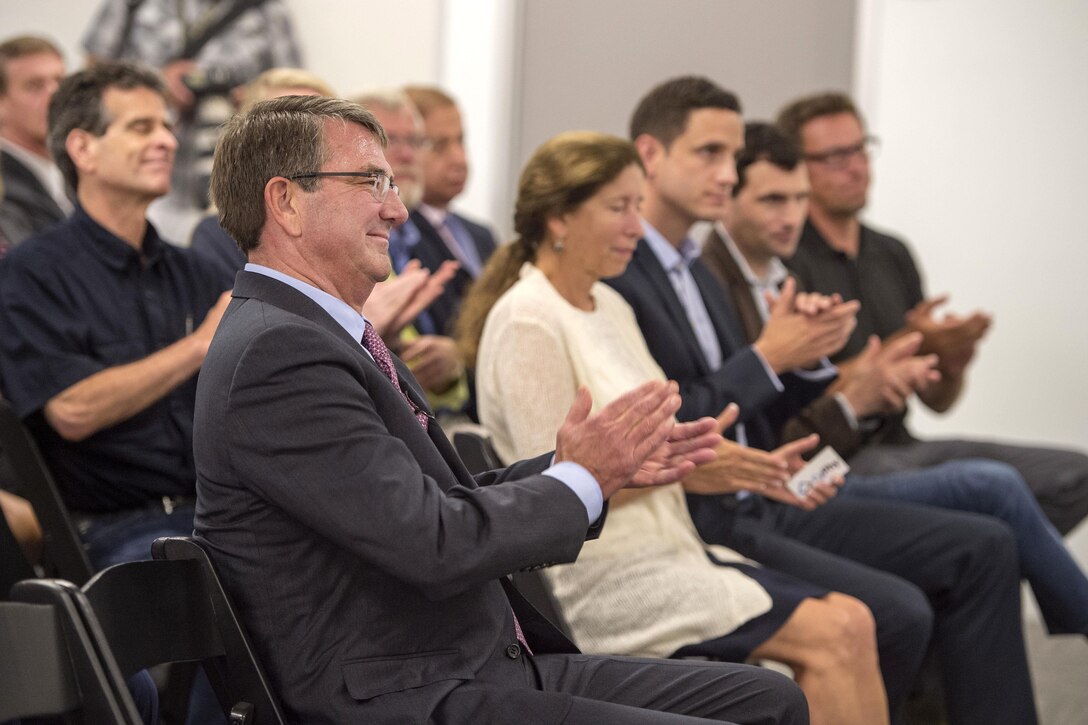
(996, 489)
(127, 535)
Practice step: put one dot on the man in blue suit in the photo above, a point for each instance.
(688, 132)
(444, 234)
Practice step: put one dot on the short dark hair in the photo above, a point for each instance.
(20, 47)
(796, 114)
(428, 98)
(280, 137)
(764, 142)
(663, 112)
(78, 104)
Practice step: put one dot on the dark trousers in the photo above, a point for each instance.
(1058, 478)
(964, 563)
(598, 690)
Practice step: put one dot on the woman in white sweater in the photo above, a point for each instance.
(649, 585)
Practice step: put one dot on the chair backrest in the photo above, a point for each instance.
(49, 664)
(475, 449)
(62, 550)
(237, 675)
(13, 563)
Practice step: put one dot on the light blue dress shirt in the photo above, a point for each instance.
(573, 475)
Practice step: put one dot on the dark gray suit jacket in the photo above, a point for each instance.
(27, 208)
(365, 559)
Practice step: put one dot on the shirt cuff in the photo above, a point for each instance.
(821, 372)
(848, 411)
(767, 369)
(575, 477)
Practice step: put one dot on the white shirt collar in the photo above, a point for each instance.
(344, 314)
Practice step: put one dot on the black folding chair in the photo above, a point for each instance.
(475, 449)
(144, 613)
(13, 563)
(62, 549)
(49, 665)
(236, 676)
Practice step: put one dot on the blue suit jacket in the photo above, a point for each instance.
(431, 251)
(742, 377)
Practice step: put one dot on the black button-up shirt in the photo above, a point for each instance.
(76, 300)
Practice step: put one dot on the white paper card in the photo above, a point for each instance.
(824, 465)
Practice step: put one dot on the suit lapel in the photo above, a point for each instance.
(264, 288)
(719, 261)
(722, 315)
(647, 264)
(23, 185)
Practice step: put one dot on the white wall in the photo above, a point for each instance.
(980, 105)
(354, 45)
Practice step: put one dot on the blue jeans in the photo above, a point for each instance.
(127, 535)
(997, 489)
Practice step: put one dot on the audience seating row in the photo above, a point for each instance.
(68, 650)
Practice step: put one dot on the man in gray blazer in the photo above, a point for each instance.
(34, 193)
(367, 563)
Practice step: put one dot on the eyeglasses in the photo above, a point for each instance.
(839, 158)
(417, 143)
(378, 182)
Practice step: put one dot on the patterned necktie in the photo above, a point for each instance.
(373, 342)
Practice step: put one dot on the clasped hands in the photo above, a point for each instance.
(635, 441)
(395, 302)
(952, 338)
(881, 379)
(804, 327)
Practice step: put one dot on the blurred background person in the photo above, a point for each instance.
(34, 194)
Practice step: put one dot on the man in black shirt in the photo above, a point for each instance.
(103, 325)
(839, 254)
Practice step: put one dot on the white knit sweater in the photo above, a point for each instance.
(646, 586)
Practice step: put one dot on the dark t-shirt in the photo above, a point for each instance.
(883, 278)
(76, 300)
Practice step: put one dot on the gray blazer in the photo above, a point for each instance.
(26, 208)
(365, 559)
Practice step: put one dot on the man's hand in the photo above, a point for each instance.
(740, 468)
(396, 302)
(204, 333)
(177, 93)
(882, 377)
(689, 445)
(952, 338)
(797, 338)
(615, 443)
(434, 360)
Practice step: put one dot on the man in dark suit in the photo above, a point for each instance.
(34, 193)
(443, 234)
(367, 563)
(688, 131)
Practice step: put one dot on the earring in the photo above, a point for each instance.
(558, 245)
